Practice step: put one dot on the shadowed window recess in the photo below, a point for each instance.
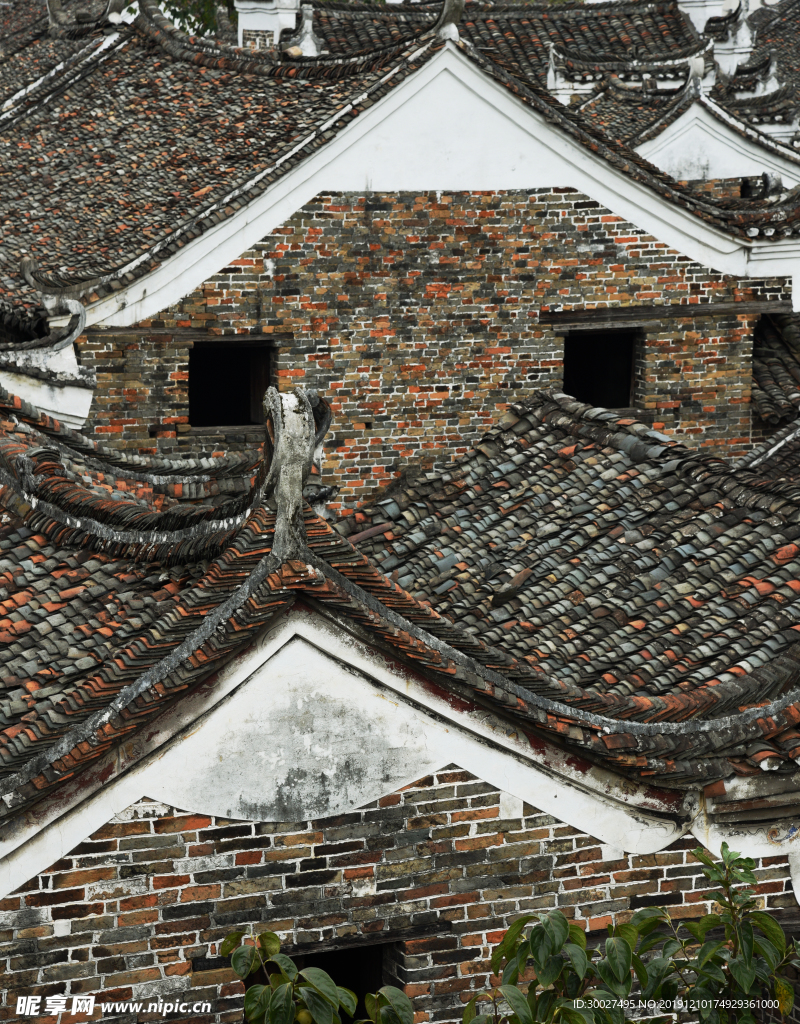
(359, 968)
(227, 382)
(599, 367)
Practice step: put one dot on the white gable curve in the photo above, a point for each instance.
(698, 144)
(449, 126)
(311, 722)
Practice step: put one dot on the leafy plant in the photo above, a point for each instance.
(308, 996)
(728, 963)
(718, 969)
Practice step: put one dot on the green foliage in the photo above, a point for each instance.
(309, 996)
(716, 969)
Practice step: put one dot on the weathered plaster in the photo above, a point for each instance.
(698, 144)
(310, 721)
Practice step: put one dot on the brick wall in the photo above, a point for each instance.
(138, 909)
(417, 315)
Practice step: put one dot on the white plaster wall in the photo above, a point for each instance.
(310, 722)
(698, 145)
(65, 402)
(447, 127)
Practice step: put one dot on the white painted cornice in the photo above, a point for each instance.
(448, 127)
(295, 706)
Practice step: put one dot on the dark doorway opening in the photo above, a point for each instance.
(359, 968)
(227, 382)
(599, 367)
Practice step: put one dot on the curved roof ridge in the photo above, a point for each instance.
(154, 469)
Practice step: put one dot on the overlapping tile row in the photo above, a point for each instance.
(642, 581)
(172, 189)
(192, 478)
(135, 515)
(776, 368)
(521, 34)
(589, 577)
(630, 115)
(254, 117)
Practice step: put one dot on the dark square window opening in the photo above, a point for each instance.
(359, 968)
(227, 381)
(599, 367)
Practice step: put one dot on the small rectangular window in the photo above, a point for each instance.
(227, 381)
(599, 367)
(359, 968)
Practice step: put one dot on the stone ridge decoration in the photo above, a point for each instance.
(435, 872)
(593, 579)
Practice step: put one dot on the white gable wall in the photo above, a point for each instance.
(448, 127)
(699, 145)
(309, 723)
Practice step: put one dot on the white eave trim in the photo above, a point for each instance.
(327, 169)
(620, 812)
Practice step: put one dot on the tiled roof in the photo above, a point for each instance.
(596, 581)
(777, 458)
(521, 36)
(776, 367)
(149, 138)
(145, 138)
(629, 115)
(640, 581)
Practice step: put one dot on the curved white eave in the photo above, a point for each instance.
(447, 127)
(707, 142)
(274, 671)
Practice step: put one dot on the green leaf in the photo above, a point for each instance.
(654, 939)
(245, 960)
(711, 970)
(657, 970)
(286, 965)
(323, 983)
(541, 946)
(577, 936)
(319, 1007)
(470, 1011)
(557, 928)
(699, 928)
(507, 944)
(707, 950)
(570, 1015)
(641, 970)
(270, 944)
(628, 932)
(281, 1005)
(609, 976)
(784, 993)
(347, 999)
(648, 916)
(619, 956)
(256, 1001)
(548, 973)
(516, 965)
(399, 1002)
(518, 1003)
(743, 974)
(764, 948)
(578, 959)
(371, 1004)
(229, 943)
(769, 927)
(547, 1001)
